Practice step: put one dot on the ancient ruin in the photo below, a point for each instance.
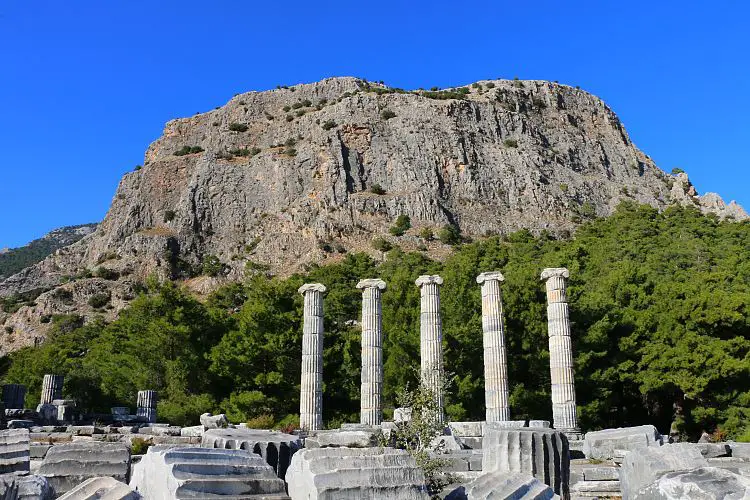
(560, 352)
(372, 351)
(496, 391)
(311, 388)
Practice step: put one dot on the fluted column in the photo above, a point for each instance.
(52, 386)
(496, 391)
(371, 411)
(146, 406)
(431, 337)
(14, 395)
(311, 387)
(560, 351)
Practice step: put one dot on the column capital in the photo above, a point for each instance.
(428, 278)
(555, 272)
(490, 276)
(372, 283)
(311, 287)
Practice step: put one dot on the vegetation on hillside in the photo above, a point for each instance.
(17, 259)
(659, 305)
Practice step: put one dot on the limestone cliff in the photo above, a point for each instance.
(302, 174)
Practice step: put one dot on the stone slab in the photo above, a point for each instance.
(642, 467)
(702, 483)
(502, 485)
(101, 488)
(14, 451)
(67, 465)
(613, 443)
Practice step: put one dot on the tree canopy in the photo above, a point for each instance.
(660, 328)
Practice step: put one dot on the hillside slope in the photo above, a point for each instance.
(299, 175)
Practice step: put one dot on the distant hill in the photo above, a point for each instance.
(13, 260)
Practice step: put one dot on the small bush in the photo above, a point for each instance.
(105, 273)
(564, 188)
(286, 109)
(99, 300)
(211, 266)
(403, 223)
(169, 215)
(490, 85)
(381, 244)
(300, 112)
(377, 189)
(426, 234)
(138, 167)
(290, 152)
(677, 170)
(387, 114)
(510, 143)
(328, 124)
(139, 446)
(449, 235)
(264, 421)
(289, 118)
(238, 127)
(188, 150)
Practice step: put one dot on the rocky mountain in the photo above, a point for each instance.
(13, 260)
(303, 174)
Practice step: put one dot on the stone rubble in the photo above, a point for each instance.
(101, 488)
(501, 486)
(167, 472)
(67, 465)
(14, 451)
(338, 473)
(614, 443)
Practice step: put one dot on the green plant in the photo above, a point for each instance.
(449, 234)
(211, 266)
(426, 234)
(677, 170)
(169, 215)
(138, 167)
(139, 446)
(286, 109)
(105, 273)
(377, 189)
(490, 85)
(290, 152)
(564, 187)
(387, 114)
(188, 150)
(328, 124)
(238, 127)
(419, 435)
(510, 143)
(289, 118)
(402, 224)
(381, 244)
(99, 300)
(264, 421)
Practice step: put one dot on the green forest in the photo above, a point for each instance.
(659, 304)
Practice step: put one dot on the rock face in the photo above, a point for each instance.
(332, 473)
(281, 177)
(187, 473)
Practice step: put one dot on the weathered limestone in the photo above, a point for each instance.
(311, 388)
(360, 438)
(52, 386)
(502, 485)
(166, 472)
(146, 406)
(14, 451)
(14, 396)
(103, 488)
(371, 411)
(496, 392)
(431, 337)
(335, 473)
(542, 453)
(209, 421)
(703, 483)
(17, 487)
(67, 465)
(644, 466)
(560, 351)
(614, 443)
(275, 447)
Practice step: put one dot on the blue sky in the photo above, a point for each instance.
(85, 86)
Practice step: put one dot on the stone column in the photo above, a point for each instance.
(496, 391)
(14, 395)
(146, 406)
(431, 337)
(371, 411)
(311, 387)
(52, 386)
(560, 351)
